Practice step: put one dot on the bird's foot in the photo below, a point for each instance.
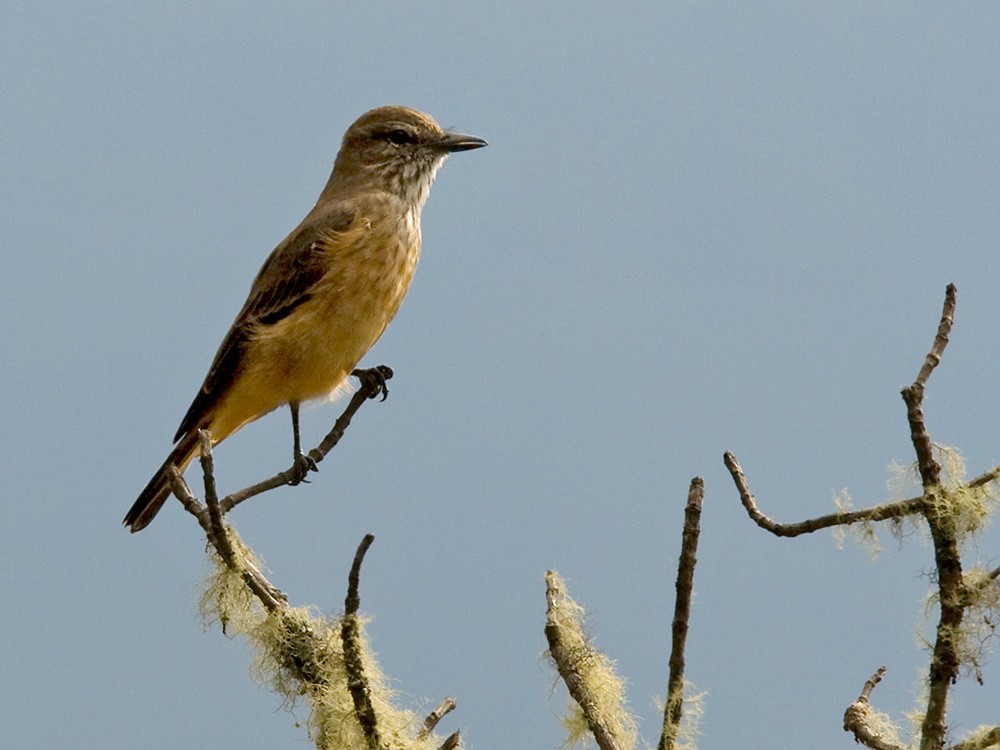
(374, 380)
(303, 464)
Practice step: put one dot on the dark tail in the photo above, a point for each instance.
(157, 491)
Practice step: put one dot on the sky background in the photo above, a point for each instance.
(698, 227)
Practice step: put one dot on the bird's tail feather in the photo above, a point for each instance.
(152, 498)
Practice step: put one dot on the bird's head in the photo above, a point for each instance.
(399, 150)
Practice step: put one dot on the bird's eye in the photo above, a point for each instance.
(399, 137)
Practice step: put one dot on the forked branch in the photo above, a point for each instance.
(311, 655)
(937, 509)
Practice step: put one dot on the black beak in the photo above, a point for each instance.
(451, 142)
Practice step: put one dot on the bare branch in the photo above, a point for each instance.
(353, 600)
(927, 465)
(350, 634)
(183, 493)
(371, 387)
(281, 479)
(870, 684)
(217, 530)
(941, 339)
(857, 718)
(682, 614)
(877, 513)
(444, 708)
(913, 395)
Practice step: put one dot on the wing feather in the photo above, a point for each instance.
(284, 282)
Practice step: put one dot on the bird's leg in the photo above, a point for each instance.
(302, 462)
(296, 440)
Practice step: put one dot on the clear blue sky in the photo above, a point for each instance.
(698, 228)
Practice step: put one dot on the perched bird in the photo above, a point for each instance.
(326, 293)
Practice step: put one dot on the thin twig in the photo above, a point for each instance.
(877, 513)
(452, 741)
(372, 385)
(682, 614)
(941, 338)
(218, 529)
(370, 388)
(444, 708)
(183, 493)
(913, 395)
(870, 684)
(857, 718)
(353, 600)
(350, 634)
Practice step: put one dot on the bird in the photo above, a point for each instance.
(325, 294)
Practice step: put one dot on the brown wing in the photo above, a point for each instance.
(284, 282)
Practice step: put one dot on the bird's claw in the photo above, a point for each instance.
(304, 463)
(374, 379)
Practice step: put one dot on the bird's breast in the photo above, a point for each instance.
(369, 267)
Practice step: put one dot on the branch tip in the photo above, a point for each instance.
(672, 710)
(870, 684)
(353, 600)
(444, 708)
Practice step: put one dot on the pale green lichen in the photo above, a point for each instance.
(960, 511)
(980, 738)
(915, 718)
(605, 688)
(973, 640)
(964, 511)
(299, 654)
(692, 710)
(864, 532)
(903, 480)
(881, 725)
